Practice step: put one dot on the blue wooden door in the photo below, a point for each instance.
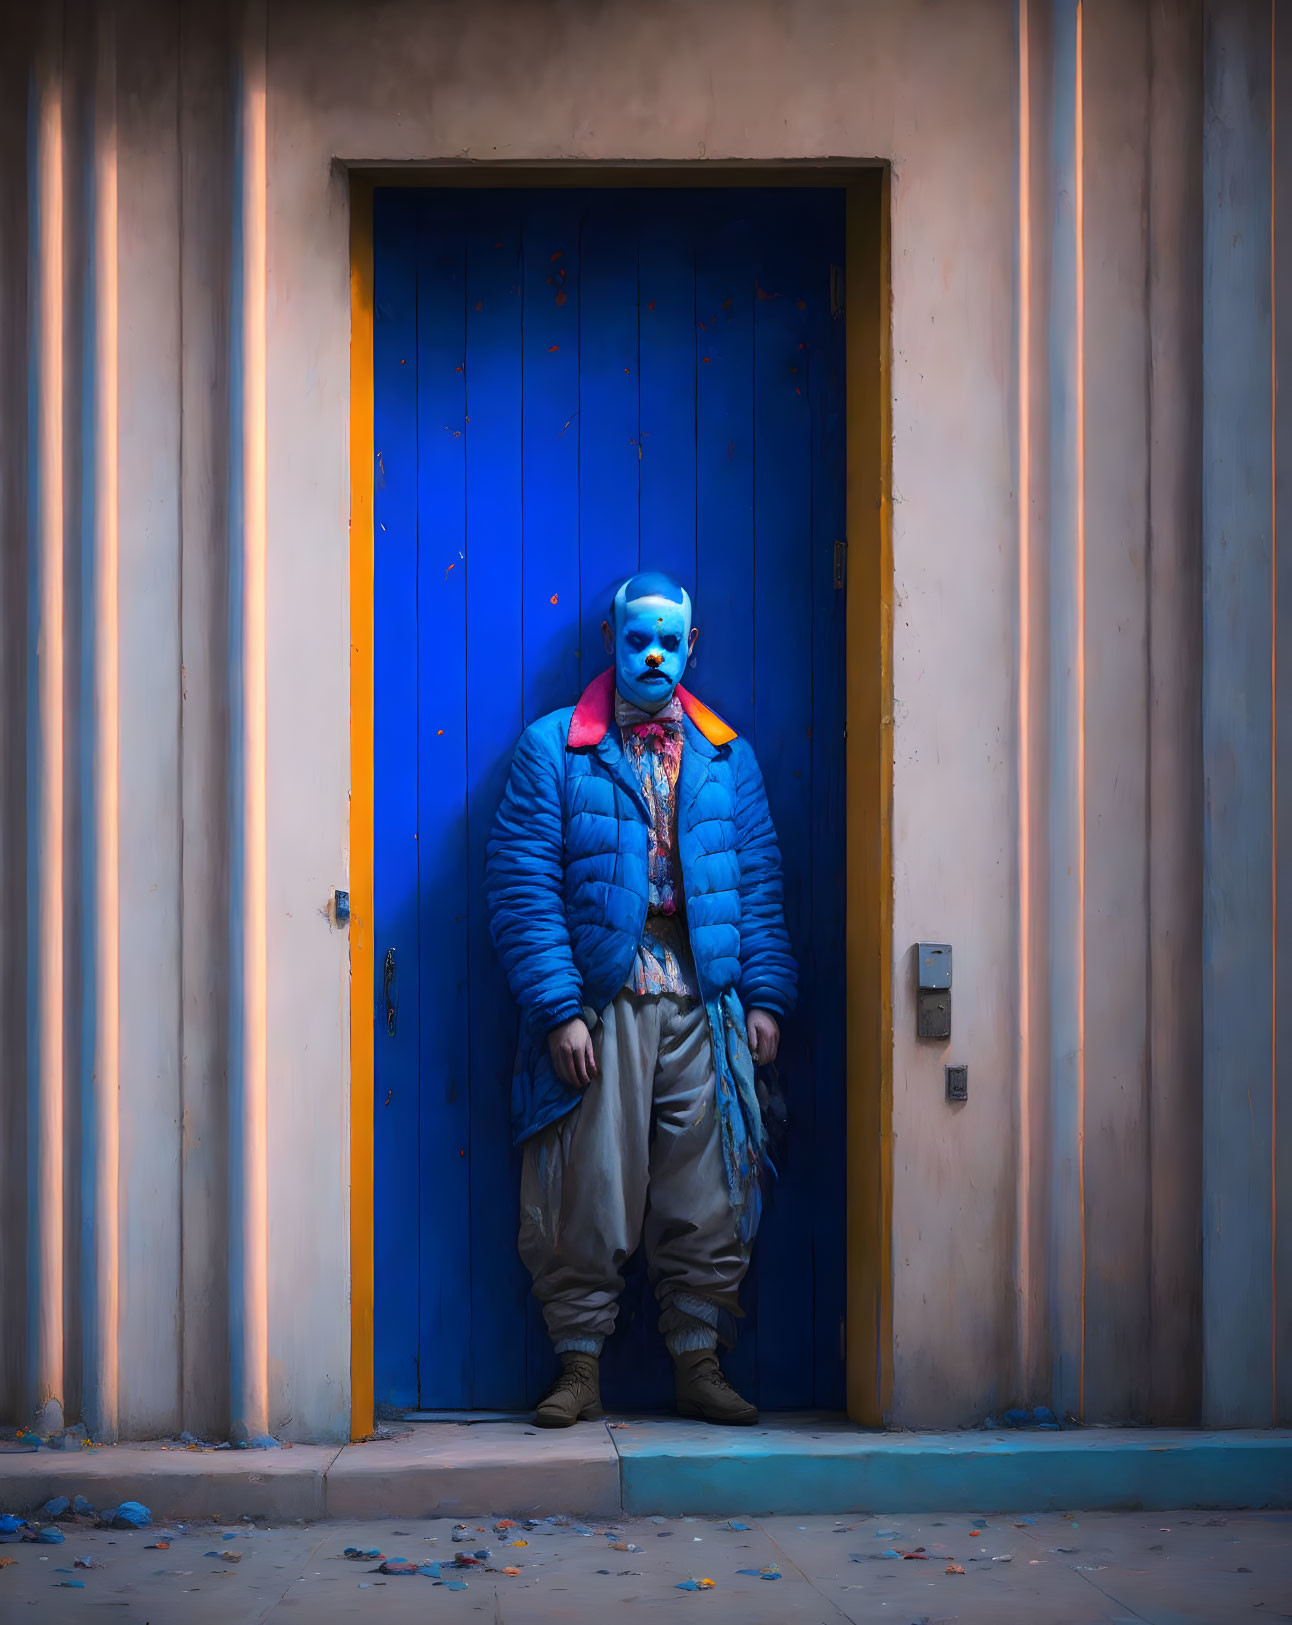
(570, 386)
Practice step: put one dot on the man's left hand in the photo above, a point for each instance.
(764, 1036)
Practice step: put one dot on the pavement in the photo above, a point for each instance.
(1037, 1568)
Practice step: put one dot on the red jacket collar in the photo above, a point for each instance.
(596, 711)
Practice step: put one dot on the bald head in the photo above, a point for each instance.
(651, 636)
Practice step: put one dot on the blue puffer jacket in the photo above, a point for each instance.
(565, 878)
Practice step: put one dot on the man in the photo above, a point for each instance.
(634, 884)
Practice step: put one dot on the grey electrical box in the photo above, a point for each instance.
(957, 1083)
(933, 995)
(934, 966)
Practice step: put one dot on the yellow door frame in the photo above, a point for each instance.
(869, 748)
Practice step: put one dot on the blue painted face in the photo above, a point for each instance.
(652, 638)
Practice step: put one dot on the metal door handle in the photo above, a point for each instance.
(388, 991)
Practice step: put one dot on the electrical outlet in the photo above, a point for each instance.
(957, 1083)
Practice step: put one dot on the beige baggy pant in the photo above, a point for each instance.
(640, 1154)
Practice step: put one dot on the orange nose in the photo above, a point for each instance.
(654, 660)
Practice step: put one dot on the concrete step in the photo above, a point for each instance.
(786, 1465)
(834, 1467)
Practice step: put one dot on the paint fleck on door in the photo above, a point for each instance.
(571, 386)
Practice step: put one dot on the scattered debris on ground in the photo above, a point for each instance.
(108, 1555)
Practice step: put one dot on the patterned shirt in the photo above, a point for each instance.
(653, 746)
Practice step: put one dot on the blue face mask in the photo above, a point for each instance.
(653, 639)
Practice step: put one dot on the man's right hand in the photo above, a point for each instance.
(570, 1046)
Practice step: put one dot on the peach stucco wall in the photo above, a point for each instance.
(1047, 388)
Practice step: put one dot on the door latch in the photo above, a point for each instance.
(388, 991)
(836, 290)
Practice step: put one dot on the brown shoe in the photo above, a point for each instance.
(575, 1396)
(703, 1391)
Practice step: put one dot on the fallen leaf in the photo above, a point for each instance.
(954, 1568)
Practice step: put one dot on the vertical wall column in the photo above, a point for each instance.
(1239, 721)
(1175, 702)
(1109, 750)
(150, 440)
(1114, 189)
(45, 742)
(1281, 445)
(206, 230)
(248, 1150)
(1035, 209)
(1065, 1261)
(100, 1089)
(14, 374)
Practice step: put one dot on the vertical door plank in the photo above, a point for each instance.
(442, 873)
(550, 452)
(783, 712)
(609, 453)
(395, 805)
(724, 429)
(724, 593)
(636, 1370)
(666, 272)
(550, 504)
(822, 1007)
(494, 680)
